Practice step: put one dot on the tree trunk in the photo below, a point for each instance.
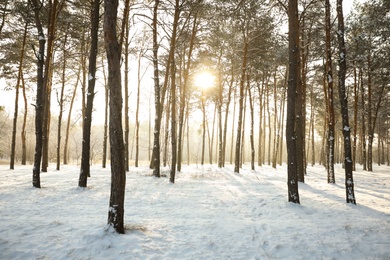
(275, 150)
(23, 133)
(61, 101)
(183, 92)
(157, 95)
(40, 100)
(329, 77)
(173, 93)
(137, 112)
(355, 113)
(105, 132)
(294, 80)
(54, 9)
(251, 137)
(349, 185)
(19, 79)
(118, 171)
(226, 117)
(125, 27)
(241, 107)
(86, 144)
(363, 122)
(69, 117)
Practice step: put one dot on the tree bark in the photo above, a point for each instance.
(294, 80)
(118, 171)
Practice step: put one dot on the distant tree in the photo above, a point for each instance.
(118, 171)
(18, 84)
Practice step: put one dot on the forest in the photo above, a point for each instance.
(167, 83)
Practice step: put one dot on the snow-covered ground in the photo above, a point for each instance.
(209, 213)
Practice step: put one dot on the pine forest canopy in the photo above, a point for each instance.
(239, 49)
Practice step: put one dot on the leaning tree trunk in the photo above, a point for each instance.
(118, 171)
(85, 156)
(329, 77)
(40, 100)
(349, 185)
(294, 80)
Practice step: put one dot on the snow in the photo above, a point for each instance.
(209, 213)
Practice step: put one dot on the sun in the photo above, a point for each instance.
(204, 80)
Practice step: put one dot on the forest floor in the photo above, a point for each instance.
(209, 213)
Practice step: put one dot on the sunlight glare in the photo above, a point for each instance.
(204, 80)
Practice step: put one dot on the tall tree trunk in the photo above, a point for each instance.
(157, 96)
(349, 185)
(137, 111)
(329, 77)
(269, 125)
(293, 82)
(363, 122)
(260, 143)
(241, 107)
(203, 128)
(355, 113)
(126, 88)
(23, 133)
(183, 91)
(251, 137)
(226, 117)
(234, 115)
(86, 144)
(19, 79)
(173, 92)
(54, 9)
(275, 150)
(118, 171)
(166, 131)
(69, 116)
(282, 113)
(40, 100)
(105, 132)
(61, 101)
